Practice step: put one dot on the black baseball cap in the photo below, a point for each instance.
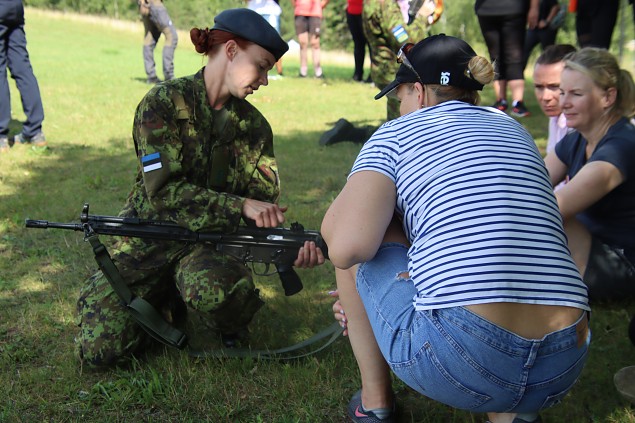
(249, 25)
(438, 59)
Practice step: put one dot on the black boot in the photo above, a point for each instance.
(338, 133)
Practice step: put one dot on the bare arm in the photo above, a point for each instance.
(532, 15)
(556, 168)
(355, 224)
(590, 184)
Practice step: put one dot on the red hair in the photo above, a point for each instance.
(205, 39)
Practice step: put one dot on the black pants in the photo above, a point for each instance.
(545, 37)
(505, 39)
(359, 43)
(595, 21)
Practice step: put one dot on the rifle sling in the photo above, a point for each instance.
(334, 330)
(141, 311)
(154, 324)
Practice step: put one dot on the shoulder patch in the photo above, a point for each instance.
(151, 162)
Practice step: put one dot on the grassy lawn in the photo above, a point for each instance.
(91, 77)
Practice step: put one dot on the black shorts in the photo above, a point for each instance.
(610, 275)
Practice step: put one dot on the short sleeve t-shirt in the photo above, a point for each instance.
(477, 206)
(612, 218)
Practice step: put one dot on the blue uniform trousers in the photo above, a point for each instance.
(14, 56)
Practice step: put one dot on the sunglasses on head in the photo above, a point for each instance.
(402, 59)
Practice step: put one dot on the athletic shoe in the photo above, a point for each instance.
(4, 144)
(536, 420)
(501, 105)
(519, 109)
(37, 140)
(358, 414)
(339, 132)
(624, 381)
(153, 80)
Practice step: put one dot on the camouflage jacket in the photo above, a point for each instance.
(197, 164)
(386, 32)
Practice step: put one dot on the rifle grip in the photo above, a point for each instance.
(291, 282)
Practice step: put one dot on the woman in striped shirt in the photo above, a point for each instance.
(449, 248)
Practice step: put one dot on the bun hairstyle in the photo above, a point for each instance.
(480, 69)
(204, 40)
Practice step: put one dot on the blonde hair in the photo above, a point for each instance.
(604, 70)
(478, 68)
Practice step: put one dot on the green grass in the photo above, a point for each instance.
(91, 78)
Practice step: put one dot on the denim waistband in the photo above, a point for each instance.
(507, 341)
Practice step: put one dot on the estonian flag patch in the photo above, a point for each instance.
(151, 162)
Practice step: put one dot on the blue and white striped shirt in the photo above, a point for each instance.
(477, 207)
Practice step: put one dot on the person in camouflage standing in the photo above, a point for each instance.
(386, 28)
(206, 161)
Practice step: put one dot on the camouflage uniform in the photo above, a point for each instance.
(197, 165)
(381, 19)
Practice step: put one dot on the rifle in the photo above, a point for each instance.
(277, 246)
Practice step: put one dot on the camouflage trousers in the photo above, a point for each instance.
(214, 288)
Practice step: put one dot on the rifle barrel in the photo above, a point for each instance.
(45, 224)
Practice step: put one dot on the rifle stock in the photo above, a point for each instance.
(277, 246)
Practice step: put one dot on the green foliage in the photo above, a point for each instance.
(458, 18)
(91, 76)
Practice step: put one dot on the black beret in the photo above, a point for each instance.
(249, 25)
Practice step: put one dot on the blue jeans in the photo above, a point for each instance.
(458, 358)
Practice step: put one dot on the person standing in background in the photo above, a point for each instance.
(595, 21)
(543, 33)
(271, 11)
(386, 28)
(356, 27)
(156, 21)
(14, 55)
(308, 20)
(503, 24)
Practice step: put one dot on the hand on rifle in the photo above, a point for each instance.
(265, 215)
(309, 256)
(269, 215)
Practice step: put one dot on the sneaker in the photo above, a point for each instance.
(624, 381)
(339, 132)
(4, 144)
(501, 105)
(153, 80)
(358, 414)
(37, 140)
(519, 109)
(537, 419)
